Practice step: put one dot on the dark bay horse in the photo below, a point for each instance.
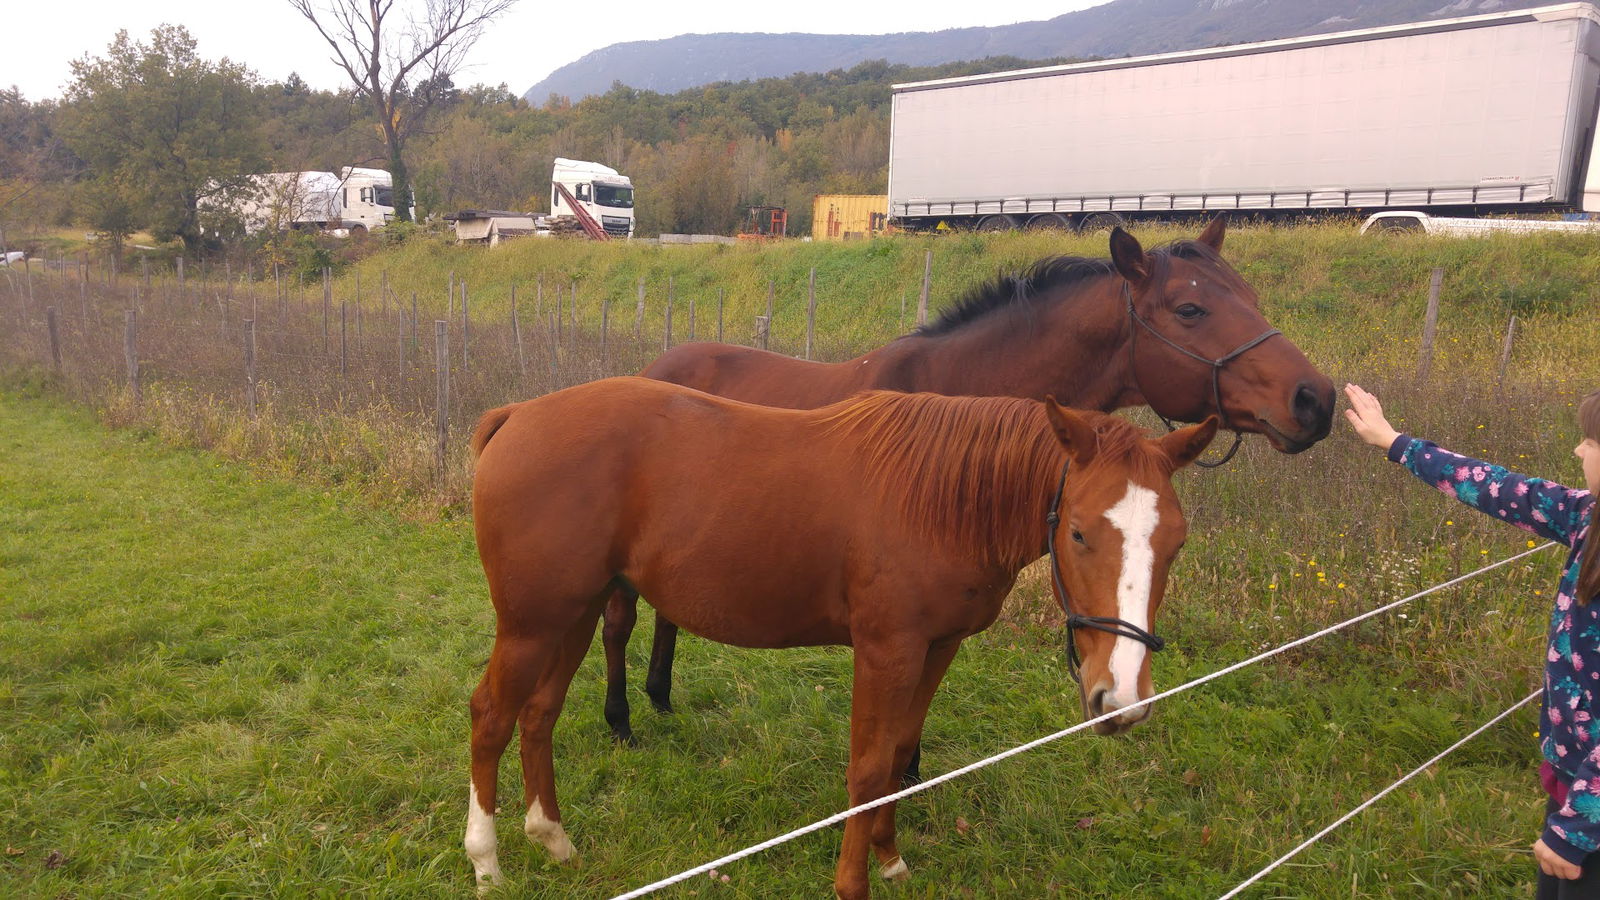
(892, 523)
(1097, 334)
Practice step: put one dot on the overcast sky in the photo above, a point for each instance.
(528, 43)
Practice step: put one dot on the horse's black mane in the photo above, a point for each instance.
(1044, 275)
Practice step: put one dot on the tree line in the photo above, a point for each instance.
(145, 130)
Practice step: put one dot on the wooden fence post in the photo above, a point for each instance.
(466, 325)
(692, 318)
(516, 331)
(927, 281)
(666, 336)
(130, 351)
(1505, 353)
(441, 417)
(1430, 324)
(55, 337)
(811, 310)
(638, 313)
(250, 366)
(605, 328)
(327, 305)
(343, 330)
(763, 326)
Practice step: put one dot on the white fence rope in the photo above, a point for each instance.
(1038, 742)
(1376, 797)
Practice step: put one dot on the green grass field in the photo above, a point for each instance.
(215, 684)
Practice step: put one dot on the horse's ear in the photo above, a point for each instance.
(1185, 445)
(1129, 257)
(1215, 232)
(1073, 430)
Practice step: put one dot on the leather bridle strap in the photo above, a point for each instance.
(1215, 364)
(1108, 624)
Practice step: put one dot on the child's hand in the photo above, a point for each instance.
(1551, 864)
(1365, 415)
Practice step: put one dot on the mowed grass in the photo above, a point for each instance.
(217, 684)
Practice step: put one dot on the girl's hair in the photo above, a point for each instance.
(1589, 565)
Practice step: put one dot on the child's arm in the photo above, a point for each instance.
(1533, 504)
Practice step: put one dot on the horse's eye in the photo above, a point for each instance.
(1190, 311)
(1077, 535)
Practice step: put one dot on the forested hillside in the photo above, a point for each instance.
(697, 157)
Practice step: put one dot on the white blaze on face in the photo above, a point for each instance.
(1135, 516)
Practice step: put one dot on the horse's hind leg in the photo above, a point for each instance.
(514, 668)
(543, 821)
(622, 611)
(658, 682)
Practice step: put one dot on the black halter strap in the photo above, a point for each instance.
(1108, 624)
(1215, 364)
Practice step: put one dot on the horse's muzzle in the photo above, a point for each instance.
(1100, 701)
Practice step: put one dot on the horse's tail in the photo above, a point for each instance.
(488, 425)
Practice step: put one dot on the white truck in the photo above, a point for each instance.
(604, 194)
(1455, 117)
(354, 201)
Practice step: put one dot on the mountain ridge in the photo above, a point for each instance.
(1118, 28)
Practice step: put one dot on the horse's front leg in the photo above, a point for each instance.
(886, 679)
(908, 746)
(622, 611)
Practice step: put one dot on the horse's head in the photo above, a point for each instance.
(1120, 528)
(1186, 300)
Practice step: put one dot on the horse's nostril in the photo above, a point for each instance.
(1308, 406)
(1097, 701)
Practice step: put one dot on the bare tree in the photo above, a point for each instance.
(398, 64)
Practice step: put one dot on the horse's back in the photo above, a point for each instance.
(754, 376)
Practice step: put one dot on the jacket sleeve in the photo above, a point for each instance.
(1542, 507)
(1573, 831)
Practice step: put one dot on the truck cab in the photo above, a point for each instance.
(603, 193)
(368, 198)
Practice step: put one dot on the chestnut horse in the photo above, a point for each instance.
(1139, 328)
(892, 523)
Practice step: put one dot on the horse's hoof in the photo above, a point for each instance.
(910, 779)
(624, 737)
(895, 871)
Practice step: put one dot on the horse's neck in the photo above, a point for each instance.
(1075, 351)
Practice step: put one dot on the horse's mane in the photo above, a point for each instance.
(1050, 273)
(975, 474)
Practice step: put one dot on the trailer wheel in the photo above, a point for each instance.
(1049, 222)
(1102, 221)
(998, 223)
(358, 231)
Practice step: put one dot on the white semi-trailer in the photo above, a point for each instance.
(355, 200)
(1460, 117)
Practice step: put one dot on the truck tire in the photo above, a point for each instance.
(998, 223)
(1102, 221)
(1049, 222)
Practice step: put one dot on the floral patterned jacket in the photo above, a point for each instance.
(1569, 736)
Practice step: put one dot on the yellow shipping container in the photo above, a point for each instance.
(843, 217)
